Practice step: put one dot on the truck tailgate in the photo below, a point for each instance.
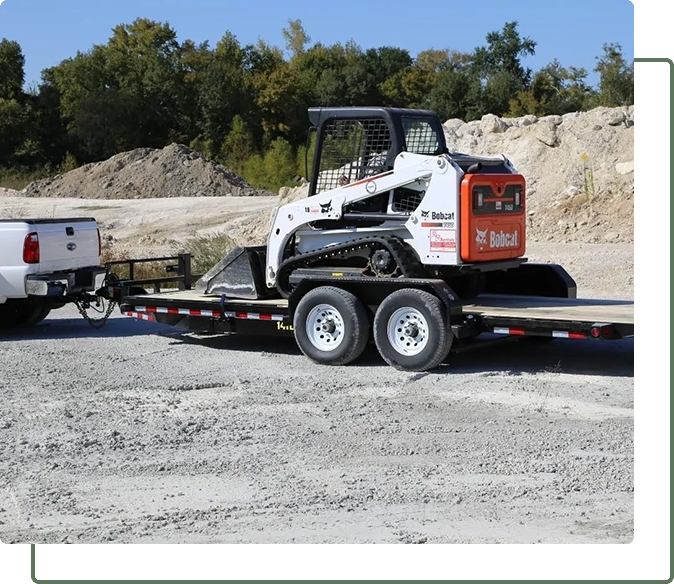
(67, 244)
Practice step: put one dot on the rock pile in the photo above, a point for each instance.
(579, 169)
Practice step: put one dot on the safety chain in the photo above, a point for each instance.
(97, 323)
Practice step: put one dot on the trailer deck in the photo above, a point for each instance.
(575, 318)
(488, 305)
(562, 309)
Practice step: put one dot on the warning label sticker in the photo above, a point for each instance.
(443, 240)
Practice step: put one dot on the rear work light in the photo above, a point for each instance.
(478, 198)
(31, 249)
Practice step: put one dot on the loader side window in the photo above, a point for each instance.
(352, 150)
(420, 137)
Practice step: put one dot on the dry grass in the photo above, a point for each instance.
(19, 179)
(206, 251)
(144, 271)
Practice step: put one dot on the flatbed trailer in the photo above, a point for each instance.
(511, 315)
(572, 318)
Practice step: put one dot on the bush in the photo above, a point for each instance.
(206, 250)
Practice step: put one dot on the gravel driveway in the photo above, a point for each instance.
(140, 433)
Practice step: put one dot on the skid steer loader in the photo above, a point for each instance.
(386, 200)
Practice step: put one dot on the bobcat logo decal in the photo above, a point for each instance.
(326, 207)
(424, 214)
(481, 237)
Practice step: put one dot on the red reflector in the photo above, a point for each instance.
(31, 249)
(173, 310)
(595, 332)
(517, 331)
(576, 336)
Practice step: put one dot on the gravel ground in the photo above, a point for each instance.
(142, 434)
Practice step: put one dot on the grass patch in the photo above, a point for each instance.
(19, 179)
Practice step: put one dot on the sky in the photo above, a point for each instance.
(572, 31)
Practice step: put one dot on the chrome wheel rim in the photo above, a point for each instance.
(325, 327)
(408, 331)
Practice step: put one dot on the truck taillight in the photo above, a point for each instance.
(31, 249)
(518, 197)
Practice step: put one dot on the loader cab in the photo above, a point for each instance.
(354, 143)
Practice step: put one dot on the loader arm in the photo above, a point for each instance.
(408, 169)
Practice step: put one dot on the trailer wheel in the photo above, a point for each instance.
(411, 330)
(331, 326)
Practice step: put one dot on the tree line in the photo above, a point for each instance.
(246, 105)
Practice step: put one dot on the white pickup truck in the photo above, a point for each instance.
(45, 263)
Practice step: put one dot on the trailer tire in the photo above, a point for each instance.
(331, 326)
(17, 312)
(411, 330)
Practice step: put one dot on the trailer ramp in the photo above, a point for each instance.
(557, 317)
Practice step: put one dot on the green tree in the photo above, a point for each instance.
(499, 68)
(410, 87)
(296, 37)
(12, 64)
(616, 77)
(238, 146)
(124, 94)
(226, 90)
(554, 90)
(280, 165)
(449, 96)
(503, 52)
(385, 62)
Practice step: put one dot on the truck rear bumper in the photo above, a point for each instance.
(62, 284)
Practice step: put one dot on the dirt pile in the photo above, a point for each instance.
(579, 169)
(145, 173)
(8, 192)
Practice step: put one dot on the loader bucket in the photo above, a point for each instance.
(239, 275)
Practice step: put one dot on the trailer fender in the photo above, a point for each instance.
(372, 291)
(549, 280)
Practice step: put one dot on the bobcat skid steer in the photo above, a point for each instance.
(387, 200)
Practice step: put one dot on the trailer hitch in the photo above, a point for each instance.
(96, 304)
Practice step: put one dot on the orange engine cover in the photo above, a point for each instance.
(493, 219)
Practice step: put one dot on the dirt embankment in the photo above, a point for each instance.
(145, 173)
